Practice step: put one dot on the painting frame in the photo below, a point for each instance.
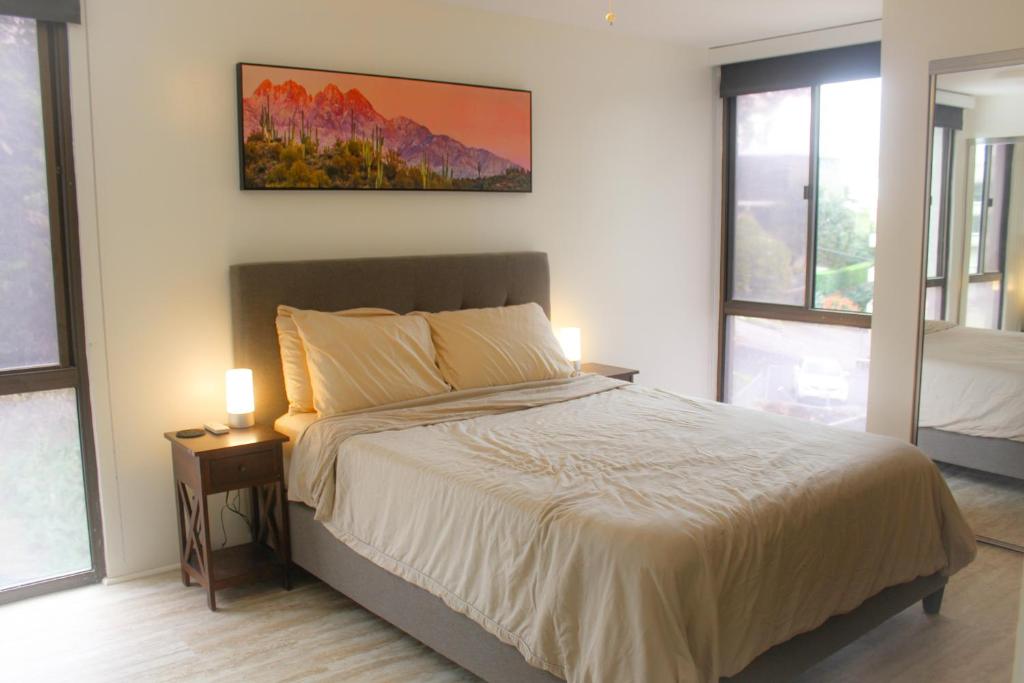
(523, 185)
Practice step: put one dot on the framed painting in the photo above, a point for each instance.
(312, 129)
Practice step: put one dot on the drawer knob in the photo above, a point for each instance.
(241, 468)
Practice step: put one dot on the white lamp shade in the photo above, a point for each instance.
(238, 383)
(569, 338)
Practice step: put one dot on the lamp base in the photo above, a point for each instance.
(241, 420)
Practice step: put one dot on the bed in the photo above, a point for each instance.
(627, 563)
(972, 398)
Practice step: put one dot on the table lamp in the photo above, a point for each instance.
(240, 399)
(569, 338)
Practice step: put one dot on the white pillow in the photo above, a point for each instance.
(481, 347)
(362, 362)
(297, 385)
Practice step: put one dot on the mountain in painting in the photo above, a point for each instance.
(340, 134)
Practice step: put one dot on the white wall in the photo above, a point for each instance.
(795, 43)
(913, 33)
(999, 116)
(622, 202)
(1018, 655)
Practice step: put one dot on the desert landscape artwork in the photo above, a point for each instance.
(314, 129)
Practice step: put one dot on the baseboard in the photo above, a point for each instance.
(112, 580)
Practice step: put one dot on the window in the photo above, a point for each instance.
(935, 303)
(769, 262)
(799, 233)
(984, 299)
(847, 195)
(808, 370)
(49, 521)
(989, 221)
(939, 209)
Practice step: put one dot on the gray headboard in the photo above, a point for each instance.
(401, 284)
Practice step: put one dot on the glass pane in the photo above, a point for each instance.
(980, 161)
(28, 328)
(847, 194)
(935, 201)
(933, 303)
(43, 529)
(815, 372)
(983, 304)
(998, 175)
(769, 250)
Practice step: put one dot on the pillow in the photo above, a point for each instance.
(361, 362)
(932, 326)
(482, 347)
(293, 356)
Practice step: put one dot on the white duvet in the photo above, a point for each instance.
(616, 533)
(972, 382)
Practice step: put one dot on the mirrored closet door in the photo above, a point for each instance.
(971, 409)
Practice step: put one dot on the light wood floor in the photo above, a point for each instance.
(155, 629)
(993, 505)
(972, 639)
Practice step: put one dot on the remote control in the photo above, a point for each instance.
(216, 428)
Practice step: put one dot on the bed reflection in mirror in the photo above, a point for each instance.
(971, 411)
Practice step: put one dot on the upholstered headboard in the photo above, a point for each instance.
(402, 284)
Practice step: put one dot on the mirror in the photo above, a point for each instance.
(971, 404)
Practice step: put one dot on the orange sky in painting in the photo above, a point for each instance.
(497, 120)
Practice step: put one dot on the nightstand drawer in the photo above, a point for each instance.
(241, 471)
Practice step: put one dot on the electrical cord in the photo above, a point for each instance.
(235, 508)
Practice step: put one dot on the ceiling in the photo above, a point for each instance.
(1006, 80)
(701, 23)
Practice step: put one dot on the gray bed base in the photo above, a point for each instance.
(426, 618)
(998, 456)
(422, 615)
(442, 283)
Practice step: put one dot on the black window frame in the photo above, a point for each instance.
(71, 372)
(807, 70)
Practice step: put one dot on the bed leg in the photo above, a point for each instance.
(933, 603)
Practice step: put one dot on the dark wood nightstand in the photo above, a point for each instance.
(625, 374)
(242, 458)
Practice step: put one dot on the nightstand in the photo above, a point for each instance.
(625, 374)
(242, 458)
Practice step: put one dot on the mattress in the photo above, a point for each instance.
(293, 426)
(612, 532)
(972, 382)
